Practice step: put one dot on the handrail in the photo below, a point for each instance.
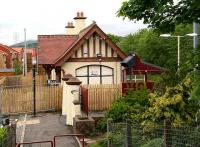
(64, 135)
(34, 142)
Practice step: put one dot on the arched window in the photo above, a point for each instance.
(95, 74)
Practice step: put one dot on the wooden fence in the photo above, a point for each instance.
(2, 81)
(19, 100)
(100, 97)
(25, 80)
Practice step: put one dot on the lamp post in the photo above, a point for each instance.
(34, 62)
(178, 43)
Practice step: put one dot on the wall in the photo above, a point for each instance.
(93, 46)
(70, 67)
(2, 61)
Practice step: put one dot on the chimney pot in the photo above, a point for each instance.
(78, 14)
(68, 24)
(82, 15)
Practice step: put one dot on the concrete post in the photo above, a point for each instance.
(73, 102)
(65, 87)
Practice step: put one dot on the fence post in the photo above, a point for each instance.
(109, 130)
(128, 133)
(167, 133)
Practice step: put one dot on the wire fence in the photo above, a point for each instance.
(134, 135)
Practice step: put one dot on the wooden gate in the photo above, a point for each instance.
(99, 97)
(84, 99)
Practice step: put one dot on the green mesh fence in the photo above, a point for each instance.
(134, 135)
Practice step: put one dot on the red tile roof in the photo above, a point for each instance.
(7, 49)
(56, 49)
(18, 49)
(53, 46)
(3, 52)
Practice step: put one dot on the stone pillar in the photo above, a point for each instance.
(73, 101)
(65, 93)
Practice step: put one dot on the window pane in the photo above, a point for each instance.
(81, 71)
(106, 70)
(94, 71)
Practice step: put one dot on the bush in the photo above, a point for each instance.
(3, 137)
(130, 106)
(119, 111)
(157, 142)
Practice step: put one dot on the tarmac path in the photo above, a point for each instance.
(44, 127)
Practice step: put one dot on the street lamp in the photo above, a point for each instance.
(34, 62)
(178, 39)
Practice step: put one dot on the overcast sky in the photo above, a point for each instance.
(51, 16)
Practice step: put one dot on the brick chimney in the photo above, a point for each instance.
(80, 22)
(70, 29)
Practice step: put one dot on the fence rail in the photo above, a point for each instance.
(100, 97)
(20, 99)
(24, 80)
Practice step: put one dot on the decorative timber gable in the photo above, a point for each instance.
(92, 42)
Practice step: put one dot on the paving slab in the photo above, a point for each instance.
(45, 126)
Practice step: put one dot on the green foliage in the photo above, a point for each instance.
(102, 125)
(3, 137)
(154, 49)
(196, 77)
(119, 111)
(157, 142)
(163, 15)
(116, 39)
(129, 106)
(175, 105)
(17, 67)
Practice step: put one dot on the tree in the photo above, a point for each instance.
(175, 105)
(163, 15)
(116, 39)
(17, 65)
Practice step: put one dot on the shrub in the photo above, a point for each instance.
(119, 111)
(130, 106)
(157, 142)
(3, 137)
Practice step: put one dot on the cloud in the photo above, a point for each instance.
(51, 16)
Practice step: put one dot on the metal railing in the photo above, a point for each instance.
(69, 135)
(35, 142)
(52, 143)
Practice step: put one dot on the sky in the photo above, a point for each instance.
(43, 17)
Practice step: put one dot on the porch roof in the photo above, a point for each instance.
(136, 65)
